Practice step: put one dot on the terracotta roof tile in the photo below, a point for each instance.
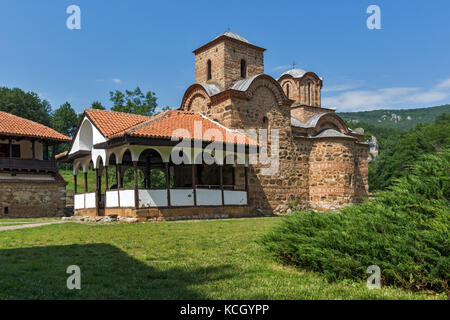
(110, 122)
(12, 125)
(164, 125)
(167, 125)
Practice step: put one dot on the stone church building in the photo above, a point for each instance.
(323, 163)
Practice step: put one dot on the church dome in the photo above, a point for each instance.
(296, 73)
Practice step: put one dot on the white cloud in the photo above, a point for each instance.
(358, 100)
(283, 67)
(116, 80)
(343, 87)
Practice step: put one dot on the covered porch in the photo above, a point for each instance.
(145, 182)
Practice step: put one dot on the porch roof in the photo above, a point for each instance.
(169, 124)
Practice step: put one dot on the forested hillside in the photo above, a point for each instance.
(398, 119)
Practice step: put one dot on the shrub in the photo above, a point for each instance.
(405, 231)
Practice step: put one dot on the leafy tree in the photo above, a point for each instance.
(97, 105)
(25, 104)
(134, 102)
(65, 119)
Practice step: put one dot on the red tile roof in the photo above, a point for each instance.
(165, 125)
(11, 125)
(110, 122)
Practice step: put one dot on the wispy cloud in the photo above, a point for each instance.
(283, 67)
(343, 87)
(116, 80)
(387, 97)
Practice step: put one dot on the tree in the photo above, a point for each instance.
(65, 120)
(134, 102)
(25, 104)
(97, 105)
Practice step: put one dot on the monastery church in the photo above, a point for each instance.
(323, 164)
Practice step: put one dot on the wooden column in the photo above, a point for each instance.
(118, 182)
(106, 179)
(97, 190)
(75, 183)
(85, 182)
(10, 147)
(194, 182)
(33, 149)
(53, 152)
(136, 194)
(221, 184)
(167, 173)
(246, 181)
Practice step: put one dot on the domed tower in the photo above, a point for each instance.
(304, 88)
(226, 59)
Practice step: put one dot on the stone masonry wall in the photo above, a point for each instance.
(29, 199)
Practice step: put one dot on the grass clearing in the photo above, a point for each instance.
(215, 259)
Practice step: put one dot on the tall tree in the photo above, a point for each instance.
(65, 119)
(97, 105)
(134, 102)
(25, 104)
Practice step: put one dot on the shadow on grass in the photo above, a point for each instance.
(107, 272)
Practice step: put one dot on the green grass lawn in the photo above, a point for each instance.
(216, 259)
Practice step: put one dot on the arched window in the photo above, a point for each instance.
(209, 73)
(309, 93)
(287, 90)
(243, 69)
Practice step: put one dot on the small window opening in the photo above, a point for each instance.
(287, 90)
(209, 73)
(5, 210)
(243, 69)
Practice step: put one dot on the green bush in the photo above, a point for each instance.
(405, 231)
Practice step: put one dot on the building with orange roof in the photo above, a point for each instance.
(30, 185)
(160, 168)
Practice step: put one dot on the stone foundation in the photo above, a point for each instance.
(169, 214)
(25, 196)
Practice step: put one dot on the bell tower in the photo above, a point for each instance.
(227, 59)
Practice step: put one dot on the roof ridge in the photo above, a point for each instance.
(117, 112)
(153, 119)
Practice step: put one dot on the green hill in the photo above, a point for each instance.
(398, 119)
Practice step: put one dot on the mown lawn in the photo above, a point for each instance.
(216, 259)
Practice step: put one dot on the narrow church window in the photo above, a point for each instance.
(243, 69)
(287, 90)
(209, 74)
(309, 93)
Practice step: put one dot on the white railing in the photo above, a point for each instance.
(154, 198)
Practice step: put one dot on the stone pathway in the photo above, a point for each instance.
(30, 225)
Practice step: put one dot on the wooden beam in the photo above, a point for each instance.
(33, 149)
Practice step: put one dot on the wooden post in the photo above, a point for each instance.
(10, 147)
(194, 182)
(97, 191)
(106, 179)
(246, 181)
(221, 184)
(46, 153)
(85, 182)
(53, 152)
(136, 194)
(118, 183)
(75, 183)
(167, 172)
(33, 149)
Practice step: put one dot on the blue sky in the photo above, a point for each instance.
(124, 44)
